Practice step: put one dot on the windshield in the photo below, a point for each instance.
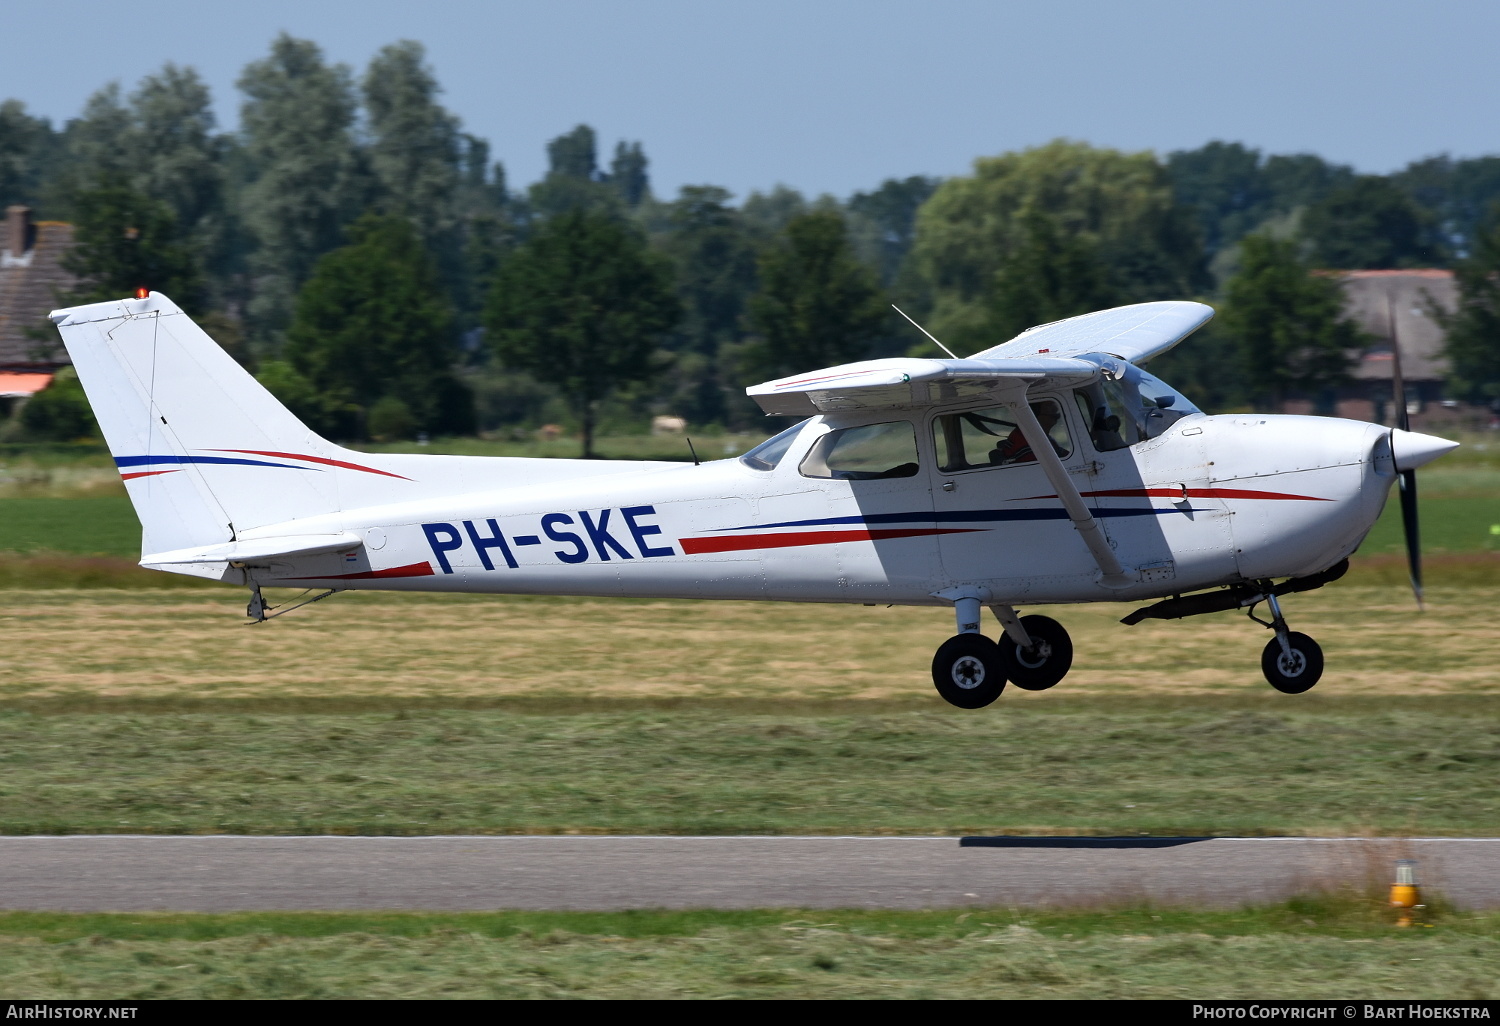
(767, 454)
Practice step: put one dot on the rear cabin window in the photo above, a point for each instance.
(991, 438)
(767, 454)
(871, 452)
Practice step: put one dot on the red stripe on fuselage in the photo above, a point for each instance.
(146, 473)
(314, 459)
(741, 542)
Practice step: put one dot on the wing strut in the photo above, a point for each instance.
(1078, 510)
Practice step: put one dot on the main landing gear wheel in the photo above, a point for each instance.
(968, 671)
(1294, 669)
(1048, 660)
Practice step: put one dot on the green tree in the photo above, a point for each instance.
(125, 240)
(1370, 223)
(1222, 183)
(1456, 194)
(713, 258)
(817, 304)
(309, 180)
(1233, 191)
(883, 222)
(573, 180)
(1121, 205)
(176, 156)
(415, 146)
(331, 415)
(582, 305)
(1286, 322)
(96, 146)
(28, 154)
(373, 322)
(1048, 275)
(627, 173)
(482, 189)
(766, 214)
(60, 412)
(1473, 329)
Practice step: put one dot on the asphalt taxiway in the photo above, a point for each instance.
(224, 873)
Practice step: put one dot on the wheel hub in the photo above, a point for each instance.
(1037, 657)
(1292, 663)
(968, 672)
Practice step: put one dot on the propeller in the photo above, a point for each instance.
(1408, 479)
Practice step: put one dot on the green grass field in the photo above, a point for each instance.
(159, 711)
(1208, 765)
(134, 702)
(1339, 948)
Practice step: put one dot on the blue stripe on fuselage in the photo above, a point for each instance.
(967, 516)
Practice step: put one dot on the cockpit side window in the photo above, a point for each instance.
(870, 452)
(768, 454)
(1121, 411)
(991, 438)
(1113, 420)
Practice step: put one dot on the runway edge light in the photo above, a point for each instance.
(1405, 897)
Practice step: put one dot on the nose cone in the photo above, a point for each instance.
(1411, 449)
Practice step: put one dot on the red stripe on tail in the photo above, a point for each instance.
(315, 459)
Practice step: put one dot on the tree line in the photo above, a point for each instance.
(371, 264)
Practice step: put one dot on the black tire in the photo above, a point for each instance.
(968, 671)
(1301, 672)
(1049, 660)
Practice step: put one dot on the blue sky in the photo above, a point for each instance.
(835, 95)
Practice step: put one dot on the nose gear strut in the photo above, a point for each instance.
(1292, 662)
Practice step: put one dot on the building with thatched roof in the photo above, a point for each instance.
(32, 279)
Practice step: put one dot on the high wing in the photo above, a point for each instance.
(1134, 333)
(1064, 352)
(876, 384)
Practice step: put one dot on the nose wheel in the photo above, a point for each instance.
(1292, 662)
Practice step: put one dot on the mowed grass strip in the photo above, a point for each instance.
(79, 649)
(1204, 766)
(1336, 948)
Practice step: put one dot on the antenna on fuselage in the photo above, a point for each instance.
(924, 331)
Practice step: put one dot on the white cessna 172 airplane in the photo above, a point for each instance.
(1050, 469)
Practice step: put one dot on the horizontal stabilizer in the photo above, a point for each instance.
(261, 550)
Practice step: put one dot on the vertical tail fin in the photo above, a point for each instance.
(206, 452)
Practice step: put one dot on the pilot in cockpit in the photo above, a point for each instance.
(1014, 448)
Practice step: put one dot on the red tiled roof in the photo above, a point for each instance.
(13, 385)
